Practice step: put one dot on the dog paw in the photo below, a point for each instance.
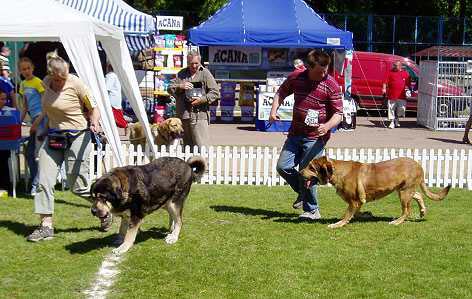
(338, 224)
(422, 213)
(171, 239)
(120, 250)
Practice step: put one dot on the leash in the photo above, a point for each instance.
(100, 153)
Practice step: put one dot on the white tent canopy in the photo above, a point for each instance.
(138, 27)
(47, 20)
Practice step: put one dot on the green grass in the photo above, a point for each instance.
(246, 242)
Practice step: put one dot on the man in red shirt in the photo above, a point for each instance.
(317, 109)
(397, 83)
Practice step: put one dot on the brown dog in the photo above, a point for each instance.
(358, 183)
(133, 192)
(168, 132)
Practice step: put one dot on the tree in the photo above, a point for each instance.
(205, 8)
(210, 7)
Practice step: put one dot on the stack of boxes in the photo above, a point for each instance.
(10, 129)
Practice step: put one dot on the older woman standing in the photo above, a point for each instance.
(70, 112)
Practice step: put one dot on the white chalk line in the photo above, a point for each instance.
(105, 277)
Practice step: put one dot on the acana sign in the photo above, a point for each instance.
(169, 23)
(230, 56)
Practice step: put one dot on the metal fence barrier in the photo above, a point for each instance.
(444, 95)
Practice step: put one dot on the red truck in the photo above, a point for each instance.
(369, 71)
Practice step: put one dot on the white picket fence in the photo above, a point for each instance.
(256, 165)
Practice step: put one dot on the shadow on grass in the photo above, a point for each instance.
(80, 205)
(18, 228)
(267, 214)
(22, 229)
(293, 217)
(333, 220)
(110, 241)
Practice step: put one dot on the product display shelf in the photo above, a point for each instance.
(168, 62)
(161, 93)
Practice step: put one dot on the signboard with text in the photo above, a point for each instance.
(174, 23)
(264, 104)
(242, 56)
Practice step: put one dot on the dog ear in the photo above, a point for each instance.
(92, 188)
(325, 171)
(329, 169)
(122, 186)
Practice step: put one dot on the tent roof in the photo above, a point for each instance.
(269, 23)
(446, 51)
(138, 27)
(46, 20)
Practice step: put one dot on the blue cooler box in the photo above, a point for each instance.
(278, 126)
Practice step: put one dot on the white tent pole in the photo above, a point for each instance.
(82, 52)
(123, 67)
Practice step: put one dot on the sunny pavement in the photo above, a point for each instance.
(370, 132)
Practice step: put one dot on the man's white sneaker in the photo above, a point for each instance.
(310, 215)
(397, 123)
(391, 125)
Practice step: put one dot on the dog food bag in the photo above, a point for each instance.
(177, 60)
(160, 41)
(179, 41)
(170, 40)
(160, 60)
(159, 111)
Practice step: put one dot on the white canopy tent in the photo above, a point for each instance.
(48, 20)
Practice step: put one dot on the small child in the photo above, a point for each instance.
(3, 101)
(31, 89)
(4, 154)
(5, 69)
(7, 87)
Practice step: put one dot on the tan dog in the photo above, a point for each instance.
(358, 183)
(168, 132)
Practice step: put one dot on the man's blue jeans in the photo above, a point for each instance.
(300, 151)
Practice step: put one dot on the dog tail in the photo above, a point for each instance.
(435, 196)
(198, 165)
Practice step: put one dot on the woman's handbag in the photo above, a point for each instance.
(62, 139)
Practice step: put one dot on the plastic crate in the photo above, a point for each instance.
(10, 132)
(10, 144)
(9, 117)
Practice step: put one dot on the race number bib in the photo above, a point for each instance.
(311, 118)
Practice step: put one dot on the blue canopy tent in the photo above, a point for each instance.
(138, 28)
(269, 23)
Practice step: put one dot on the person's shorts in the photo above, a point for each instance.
(396, 108)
